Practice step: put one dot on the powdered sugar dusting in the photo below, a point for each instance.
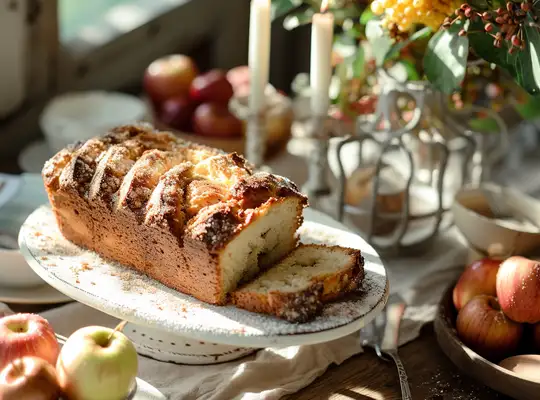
(127, 294)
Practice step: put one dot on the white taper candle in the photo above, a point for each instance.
(259, 53)
(322, 37)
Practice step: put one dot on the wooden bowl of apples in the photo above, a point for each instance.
(488, 324)
(211, 108)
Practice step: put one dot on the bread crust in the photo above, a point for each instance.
(297, 307)
(301, 306)
(162, 206)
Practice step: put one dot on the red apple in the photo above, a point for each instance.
(518, 289)
(27, 335)
(483, 327)
(480, 277)
(212, 87)
(240, 80)
(238, 76)
(29, 378)
(168, 77)
(212, 119)
(177, 113)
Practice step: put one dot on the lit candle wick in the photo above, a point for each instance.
(324, 6)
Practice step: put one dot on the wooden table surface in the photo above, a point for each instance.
(431, 374)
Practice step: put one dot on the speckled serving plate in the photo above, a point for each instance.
(126, 294)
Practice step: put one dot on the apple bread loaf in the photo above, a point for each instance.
(297, 287)
(194, 218)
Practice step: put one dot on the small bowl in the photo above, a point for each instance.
(474, 218)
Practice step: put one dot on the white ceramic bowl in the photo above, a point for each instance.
(76, 116)
(471, 215)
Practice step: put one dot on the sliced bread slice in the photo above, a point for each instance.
(296, 288)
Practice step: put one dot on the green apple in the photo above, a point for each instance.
(97, 363)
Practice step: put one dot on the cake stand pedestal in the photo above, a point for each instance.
(170, 326)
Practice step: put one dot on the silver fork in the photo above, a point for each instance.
(61, 339)
(371, 335)
(382, 335)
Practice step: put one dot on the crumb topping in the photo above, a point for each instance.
(215, 225)
(166, 181)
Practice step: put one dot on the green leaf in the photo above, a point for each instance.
(530, 109)
(397, 47)
(298, 18)
(527, 61)
(412, 72)
(354, 31)
(367, 15)
(482, 44)
(487, 125)
(359, 63)
(283, 7)
(343, 77)
(379, 41)
(341, 14)
(445, 61)
(480, 5)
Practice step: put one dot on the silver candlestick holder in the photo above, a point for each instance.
(256, 139)
(317, 184)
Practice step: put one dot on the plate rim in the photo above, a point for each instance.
(254, 341)
(55, 296)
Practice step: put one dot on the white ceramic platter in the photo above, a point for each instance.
(128, 295)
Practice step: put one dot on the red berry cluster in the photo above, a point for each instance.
(503, 24)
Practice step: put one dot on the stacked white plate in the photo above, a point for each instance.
(19, 196)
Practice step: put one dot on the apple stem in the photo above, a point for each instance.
(18, 367)
(118, 328)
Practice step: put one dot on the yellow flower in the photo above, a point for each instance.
(406, 13)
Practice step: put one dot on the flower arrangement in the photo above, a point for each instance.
(431, 39)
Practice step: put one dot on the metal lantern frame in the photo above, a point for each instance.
(476, 155)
